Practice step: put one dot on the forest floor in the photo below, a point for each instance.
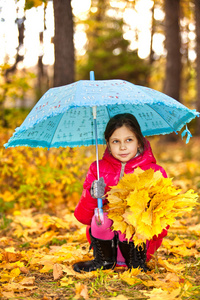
(39, 246)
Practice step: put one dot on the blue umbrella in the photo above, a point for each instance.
(70, 115)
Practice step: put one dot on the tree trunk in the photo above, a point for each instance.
(21, 28)
(197, 17)
(42, 76)
(173, 45)
(63, 43)
(151, 55)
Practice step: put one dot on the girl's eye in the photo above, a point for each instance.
(115, 142)
(129, 140)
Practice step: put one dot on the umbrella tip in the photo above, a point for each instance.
(92, 75)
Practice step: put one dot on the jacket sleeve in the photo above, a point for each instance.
(163, 172)
(84, 210)
(155, 243)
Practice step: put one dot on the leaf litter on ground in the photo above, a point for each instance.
(39, 247)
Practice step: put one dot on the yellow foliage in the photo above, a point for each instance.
(33, 3)
(130, 276)
(15, 272)
(65, 281)
(7, 196)
(158, 294)
(144, 203)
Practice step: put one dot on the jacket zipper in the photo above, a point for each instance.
(122, 170)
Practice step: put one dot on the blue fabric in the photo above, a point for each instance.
(63, 116)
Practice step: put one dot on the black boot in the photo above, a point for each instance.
(105, 255)
(134, 256)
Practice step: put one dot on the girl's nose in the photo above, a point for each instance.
(122, 146)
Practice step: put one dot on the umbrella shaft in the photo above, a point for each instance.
(97, 154)
(100, 203)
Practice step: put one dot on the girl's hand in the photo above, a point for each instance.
(98, 188)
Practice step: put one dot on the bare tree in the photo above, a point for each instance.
(151, 55)
(21, 28)
(197, 17)
(173, 45)
(63, 43)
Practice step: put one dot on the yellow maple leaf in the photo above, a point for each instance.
(130, 276)
(65, 281)
(137, 200)
(158, 294)
(119, 225)
(147, 217)
(170, 267)
(130, 230)
(15, 272)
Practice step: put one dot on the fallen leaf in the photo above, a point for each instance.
(24, 270)
(46, 298)
(170, 267)
(8, 295)
(57, 271)
(172, 277)
(81, 291)
(11, 256)
(17, 287)
(15, 272)
(119, 297)
(158, 294)
(65, 281)
(28, 281)
(130, 276)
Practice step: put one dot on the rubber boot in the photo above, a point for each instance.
(105, 255)
(134, 256)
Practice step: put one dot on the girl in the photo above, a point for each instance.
(126, 150)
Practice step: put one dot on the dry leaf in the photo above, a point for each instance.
(8, 295)
(81, 291)
(18, 287)
(130, 276)
(11, 256)
(171, 267)
(57, 271)
(24, 270)
(28, 281)
(46, 298)
(158, 294)
(65, 281)
(119, 297)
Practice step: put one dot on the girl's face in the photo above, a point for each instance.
(123, 144)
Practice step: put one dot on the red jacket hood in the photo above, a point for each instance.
(110, 168)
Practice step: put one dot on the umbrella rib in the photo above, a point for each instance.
(108, 112)
(55, 130)
(162, 117)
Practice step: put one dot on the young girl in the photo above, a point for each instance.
(126, 150)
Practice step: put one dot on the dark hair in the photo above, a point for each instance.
(127, 120)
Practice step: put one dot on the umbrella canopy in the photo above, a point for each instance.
(64, 115)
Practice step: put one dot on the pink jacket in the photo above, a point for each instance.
(111, 170)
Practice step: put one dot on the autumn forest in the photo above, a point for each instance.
(40, 238)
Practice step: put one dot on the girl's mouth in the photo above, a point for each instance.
(123, 155)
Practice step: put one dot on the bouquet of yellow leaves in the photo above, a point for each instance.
(144, 203)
